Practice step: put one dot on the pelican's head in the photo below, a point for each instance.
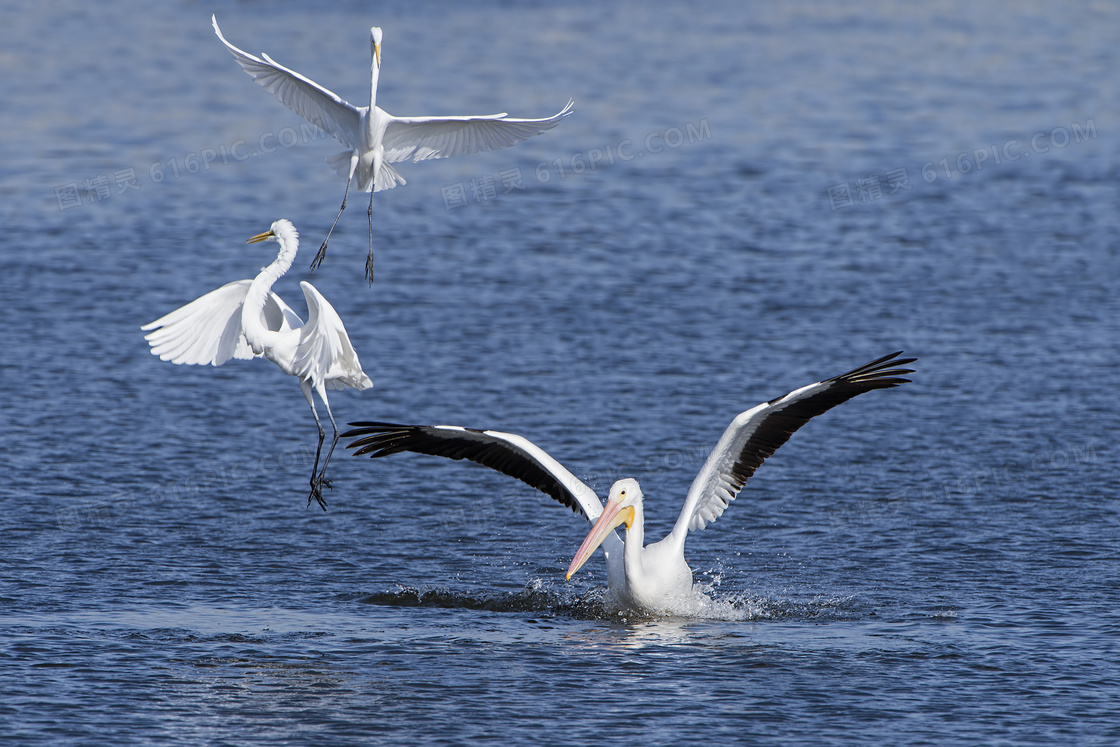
(375, 40)
(281, 229)
(624, 496)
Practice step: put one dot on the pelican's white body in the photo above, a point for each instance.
(651, 578)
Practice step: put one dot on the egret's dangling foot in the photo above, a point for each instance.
(323, 248)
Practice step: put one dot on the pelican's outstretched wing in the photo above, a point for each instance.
(507, 453)
(319, 106)
(421, 138)
(207, 331)
(325, 355)
(757, 433)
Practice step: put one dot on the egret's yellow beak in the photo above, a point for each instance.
(262, 237)
(613, 515)
(377, 53)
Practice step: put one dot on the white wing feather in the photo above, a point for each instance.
(405, 138)
(207, 331)
(584, 495)
(319, 106)
(507, 453)
(716, 484)
(422, 138)
(325, 356)
(756, 434)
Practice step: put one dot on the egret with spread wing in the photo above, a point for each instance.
(245, 319)
(650, 578)
(376, 139)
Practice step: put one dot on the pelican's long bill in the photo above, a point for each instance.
(613, 515)
(261, 237)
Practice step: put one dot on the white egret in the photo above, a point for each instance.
(653, 578)
(245, 319)
(374, 138)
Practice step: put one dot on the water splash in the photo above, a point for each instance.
(542, 597)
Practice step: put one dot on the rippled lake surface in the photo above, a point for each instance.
(749, 198)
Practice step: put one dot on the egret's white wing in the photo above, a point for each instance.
(757, 433)
(421, 138)
(325, 355)
(279, 316)
(207, 331)
(319, 106)
(507, 453)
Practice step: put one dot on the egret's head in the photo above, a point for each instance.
(624, 496)
(375, 40)
(282, 228)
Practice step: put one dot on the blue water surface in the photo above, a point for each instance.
(748, 198)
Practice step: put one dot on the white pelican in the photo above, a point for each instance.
(653, 578)
(245, 319)
(374, 138)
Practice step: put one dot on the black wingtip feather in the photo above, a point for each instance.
(779, 425)
(878, 368)
(380, 439)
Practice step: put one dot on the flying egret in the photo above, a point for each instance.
(653, 578)
(245, 319)
(374, 138)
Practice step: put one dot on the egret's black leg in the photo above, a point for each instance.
(322, 480)
(316, 482)
(322, 254)
(369, 257)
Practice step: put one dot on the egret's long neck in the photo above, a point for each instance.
(374, 72)
(252, 311)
